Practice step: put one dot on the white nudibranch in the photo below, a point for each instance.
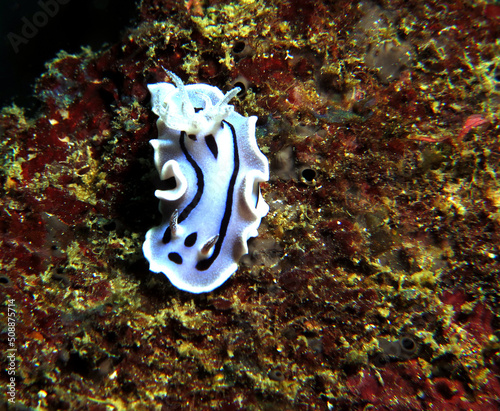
(210, 166)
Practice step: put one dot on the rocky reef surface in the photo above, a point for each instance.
(374, 282)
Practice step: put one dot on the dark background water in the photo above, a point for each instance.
(52, 26)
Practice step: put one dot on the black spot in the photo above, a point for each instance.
(80, 364)
(175, 257)
(308, 174)
(408, 345)
(276, 375)
(381, 360)
(192, 136)
(4, 280)
(445, 390)
(239, 46)
(241, 49)
(167, 236)
(168, 184)
(243, 88)
(190, 239)
(204, 264)
(196, 109)
(111, 226)
(212, 145)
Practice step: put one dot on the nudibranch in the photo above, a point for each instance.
(210, 167)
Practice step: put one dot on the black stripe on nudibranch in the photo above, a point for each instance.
(175, 257)
(191, 239)
(167, 236)
(212, 145)
(199, 180)
(257, 193)
(205, 264)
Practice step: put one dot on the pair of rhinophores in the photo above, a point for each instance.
(210, 166)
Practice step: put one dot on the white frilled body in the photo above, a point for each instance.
(209, 162)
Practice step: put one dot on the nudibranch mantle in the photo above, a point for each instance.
(210, 166)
